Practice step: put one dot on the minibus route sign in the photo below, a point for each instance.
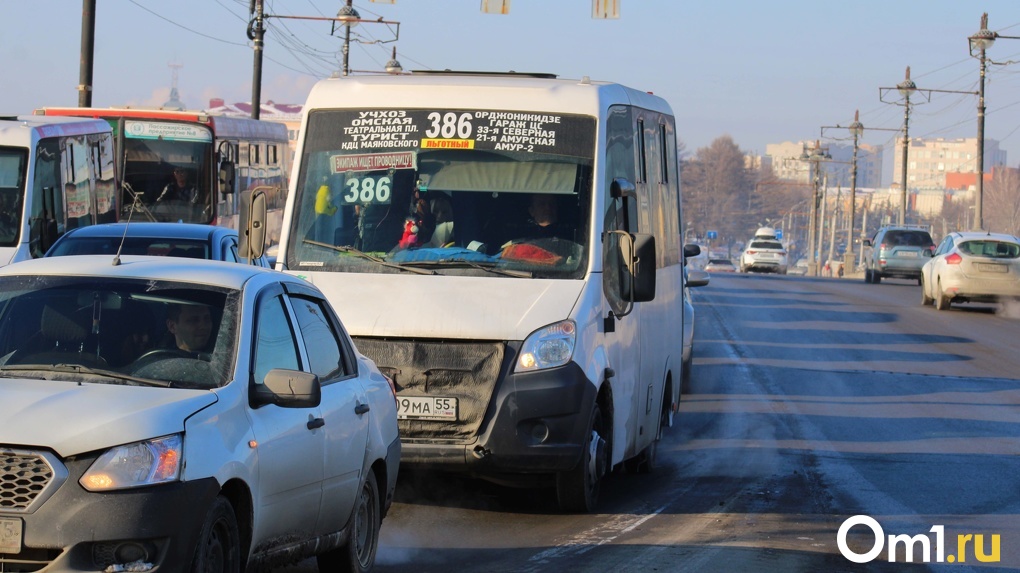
(377, 130)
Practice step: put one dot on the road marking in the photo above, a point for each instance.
(585, 541)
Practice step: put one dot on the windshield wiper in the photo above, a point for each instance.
(79, 369)
(368, 257)
(488, 267)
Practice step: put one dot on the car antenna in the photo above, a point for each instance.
(123, 238)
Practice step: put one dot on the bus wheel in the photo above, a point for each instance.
(645, 462)
(578, 489)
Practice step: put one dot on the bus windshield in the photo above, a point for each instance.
(13, 165)
(167, 166)
(474, 192)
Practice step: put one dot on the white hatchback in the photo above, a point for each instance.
(182, 415)
(972, 266)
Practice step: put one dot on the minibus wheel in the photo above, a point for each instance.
(578, 489)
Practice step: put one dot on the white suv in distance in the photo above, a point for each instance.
(763, 254)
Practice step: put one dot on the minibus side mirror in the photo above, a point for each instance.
(251, 231)
(637, 283)
(226, 176)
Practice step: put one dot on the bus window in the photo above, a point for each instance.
(13, 165)
(46, 219)
(103, 173)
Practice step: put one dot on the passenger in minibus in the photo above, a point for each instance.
(442, 212)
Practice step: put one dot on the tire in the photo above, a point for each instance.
(646, 461)
(925, 299)
(577, 489)
(685, 373)
(219, 542)
(867, 276)
(357, 555)
(942, 301)
(876, 278)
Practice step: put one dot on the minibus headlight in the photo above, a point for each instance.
(147, 462)
(548, 347)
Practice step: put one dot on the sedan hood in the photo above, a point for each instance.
(73, 418)
(475, 308)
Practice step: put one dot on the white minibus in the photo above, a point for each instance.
(507, 249)
(56, 174)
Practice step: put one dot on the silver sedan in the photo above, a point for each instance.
(973, 266)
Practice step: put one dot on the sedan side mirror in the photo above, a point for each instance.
(288, 389)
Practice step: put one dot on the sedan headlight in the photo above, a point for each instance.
(147, 462)
(548, 347)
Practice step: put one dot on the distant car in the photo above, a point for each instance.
(799, 268)
(258, 434)
(896, 252)
(692, 279)
(720, 266)
(164, 239)
(767, 255)
(973, 266)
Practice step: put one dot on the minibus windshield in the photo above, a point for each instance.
(504, 191)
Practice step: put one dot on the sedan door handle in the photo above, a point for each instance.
(316, 423)
(361, 409)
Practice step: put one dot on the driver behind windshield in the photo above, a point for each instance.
(190, 325)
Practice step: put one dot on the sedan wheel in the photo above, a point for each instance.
(941, 300)
(925, 299)
(219, 542)
(358, 554)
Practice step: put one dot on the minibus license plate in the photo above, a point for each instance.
(10, 535)
(426, 408)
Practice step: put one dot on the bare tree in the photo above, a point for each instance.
(718, 191)
(1001, 207)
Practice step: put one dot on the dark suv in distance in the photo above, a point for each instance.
(896, 252)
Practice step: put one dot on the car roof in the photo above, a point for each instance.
(974, 235)
(153, 230)
(199, 271)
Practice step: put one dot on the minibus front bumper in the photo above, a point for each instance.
(537, 423)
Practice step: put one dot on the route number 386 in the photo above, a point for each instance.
(448, 125)
(365, 190)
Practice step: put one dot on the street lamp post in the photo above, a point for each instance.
(978, 43)
(856, 131)
(348, 18)
(815, 157)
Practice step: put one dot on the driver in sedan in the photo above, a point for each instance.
(190, 325)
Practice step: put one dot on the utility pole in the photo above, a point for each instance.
(256, 32)
(978, 43)
(88, 43)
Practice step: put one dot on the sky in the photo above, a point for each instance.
(758, 71)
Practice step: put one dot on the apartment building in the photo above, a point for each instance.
(787, 163)
(930, 160)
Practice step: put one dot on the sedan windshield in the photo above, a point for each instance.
(117, 331)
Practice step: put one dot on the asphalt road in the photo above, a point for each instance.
(812, 400)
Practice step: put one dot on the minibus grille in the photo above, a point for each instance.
(467, 371)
